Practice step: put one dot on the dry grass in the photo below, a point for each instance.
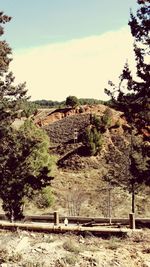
(71, 250)
(71, 246)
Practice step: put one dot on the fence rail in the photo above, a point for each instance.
(139, 222)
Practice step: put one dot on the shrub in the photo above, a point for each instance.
(114, 243)
(71, 246)
(117, 124)
(70, 259)
(44, 198)
(107, 117)
(92, 139)
(81, 109)
(72, 101)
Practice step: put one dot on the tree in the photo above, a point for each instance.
(11, 97)
(119, 164)
(72, 101)
(24, 159)
(29, 109)
(26, 167)
(134, 100)
(92, 137)
(106, 119)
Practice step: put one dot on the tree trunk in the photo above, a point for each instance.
(109, 204)
(133, 199)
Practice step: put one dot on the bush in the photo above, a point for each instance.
(107, 117)
(114, 243)
(92, 139)
(71, 246)
(44, 198)
(72, 101)
(81, 109)
(70, 259)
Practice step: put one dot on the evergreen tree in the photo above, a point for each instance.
(92, 137)
(11, 97)
(24, 159)
(135, 100)
(132, 96)
(26, 167)
(72, 101)
(119, 164)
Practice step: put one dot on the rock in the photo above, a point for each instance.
(81, 240)
(42, 247)
(146, 264)
(38, 249)
(23, 244)
(33, 235)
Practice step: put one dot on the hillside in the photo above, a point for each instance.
(79, 189)
(78, 185)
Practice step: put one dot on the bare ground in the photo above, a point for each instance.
(27, 249)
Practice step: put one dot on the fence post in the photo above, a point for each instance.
(132, 220)
(56, 218)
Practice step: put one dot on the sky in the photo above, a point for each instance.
(68, 47)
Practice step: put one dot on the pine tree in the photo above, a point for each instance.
(25, 163)
(132, 96)
(26, 167)
(11, 96)
(135, 100)
(92, 137)
(72, 101)
(119, 164)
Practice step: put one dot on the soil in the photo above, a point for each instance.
(25, 249)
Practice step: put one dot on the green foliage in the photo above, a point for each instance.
(117, 124)
(40, 143)
(107, 117)
(92, 138)
(48, 103)
(72, 101)
(28, 164)
(90, 101)
(81, 110)
(95, 121)
(25, 162)
(140, 24)
(56, 104)
(11, 97)
(132, 95)
(44, 198)
(140, 160)
(29, 109)
(135, 100)
(121, 159)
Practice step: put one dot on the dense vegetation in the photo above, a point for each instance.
(57, 104)
(92, 137)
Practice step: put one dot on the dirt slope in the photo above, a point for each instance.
(78, 185)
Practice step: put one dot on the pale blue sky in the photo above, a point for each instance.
(37, 22)
(68, 47)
